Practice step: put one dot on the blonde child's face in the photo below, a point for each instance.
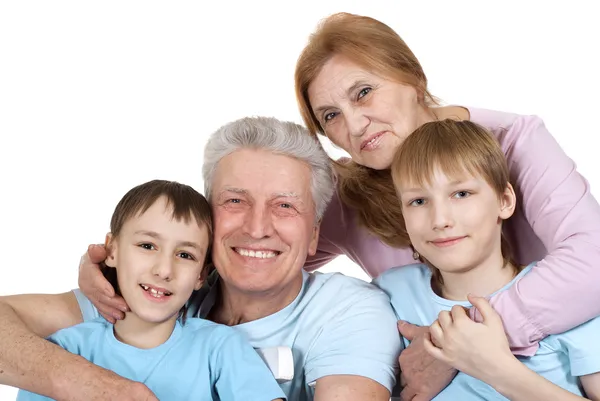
(455, 222)
(159, 261)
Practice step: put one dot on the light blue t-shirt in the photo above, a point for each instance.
(337, 325)
(201, 360)
(560, 358)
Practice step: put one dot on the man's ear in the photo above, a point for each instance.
(110, 244)
(314, 240)
(508, 202)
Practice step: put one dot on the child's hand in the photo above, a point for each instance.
(477, 349)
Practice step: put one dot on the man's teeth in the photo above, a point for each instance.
(154, 292)
(256, 254)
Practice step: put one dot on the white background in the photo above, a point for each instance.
(96, 97)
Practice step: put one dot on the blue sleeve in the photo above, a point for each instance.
(362, 340)
(88, 310)
(241, 374)
(582, 347)
(23, 395)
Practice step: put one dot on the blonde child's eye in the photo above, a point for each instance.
(462, 194)
(417, 202)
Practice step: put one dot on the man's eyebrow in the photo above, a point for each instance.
(234, 190)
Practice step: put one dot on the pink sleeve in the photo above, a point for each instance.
(563, 290)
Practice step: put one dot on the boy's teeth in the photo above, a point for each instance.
(155, 292)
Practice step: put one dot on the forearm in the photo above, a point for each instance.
(517, 382)
(32, 363)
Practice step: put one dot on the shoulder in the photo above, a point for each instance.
(402, 276)
(345, 297)
(71, 338)
(510, 128)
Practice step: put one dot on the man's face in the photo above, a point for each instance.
(264, 218)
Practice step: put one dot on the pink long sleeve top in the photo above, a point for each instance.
(557, 222)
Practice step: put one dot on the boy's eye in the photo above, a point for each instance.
(186, 255)
(148, 247)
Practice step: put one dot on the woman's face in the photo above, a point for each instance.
(366, 115)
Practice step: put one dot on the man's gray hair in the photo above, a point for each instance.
(279, 137)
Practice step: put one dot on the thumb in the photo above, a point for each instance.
(489, 315)
(408, 330)
(97, 253)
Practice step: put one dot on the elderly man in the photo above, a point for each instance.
(268, 183)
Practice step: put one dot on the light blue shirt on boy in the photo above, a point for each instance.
(560, 358)
(201, 360)
(337, 325)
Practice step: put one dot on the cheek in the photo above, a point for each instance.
(337, 133)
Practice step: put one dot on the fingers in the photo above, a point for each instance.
(458, 313)
(445, 320)
(410, 331)
(403, 381)
(407, 394)
(96, 253)
(436, 334)
(432, 349)
(489, 315)
(109, 318)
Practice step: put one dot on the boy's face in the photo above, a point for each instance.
(159, 262)
(455, 222)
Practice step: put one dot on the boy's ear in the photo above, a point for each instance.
(508, 202)
(110, 244)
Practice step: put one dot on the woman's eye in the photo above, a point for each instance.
(363, 92)
(329, 116)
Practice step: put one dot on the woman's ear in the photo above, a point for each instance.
(508, 202)
(110, 244)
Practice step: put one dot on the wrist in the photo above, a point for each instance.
(507, 376)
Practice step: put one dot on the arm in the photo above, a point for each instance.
(518, 383)
(357, 349)
(558, 205)
(481, 350)
(26, 360)
(347, 387)
(29, 362)
(591, 386)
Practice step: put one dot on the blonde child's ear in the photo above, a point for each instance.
(110, 244)
(508, 202)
